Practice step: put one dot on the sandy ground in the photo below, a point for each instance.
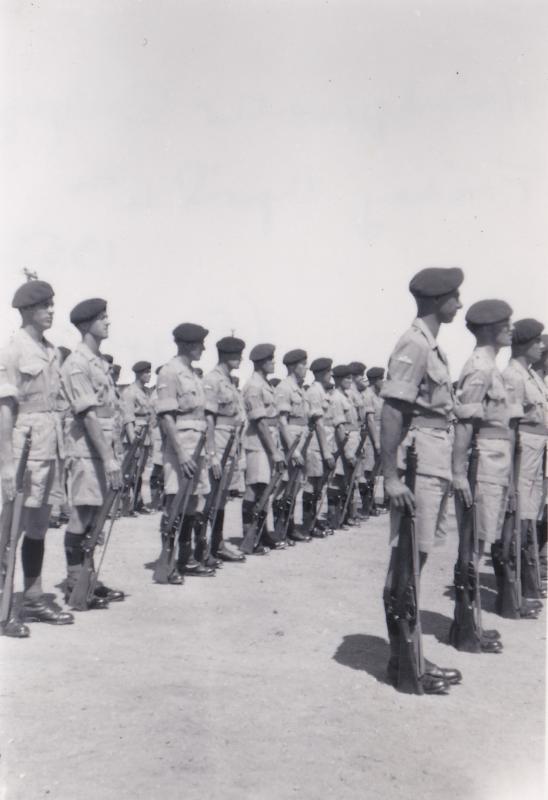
(266, 682)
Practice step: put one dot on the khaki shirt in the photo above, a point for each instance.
(418, 373)
(526, 393)
(289, 398)
(258, 396)
(358, 400)
(181, 392)
(481, 393)
(222, 398)
(29, 375)
(137, 405)
(88, 385)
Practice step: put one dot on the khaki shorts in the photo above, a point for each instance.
(42, 484)
(188, 440)
(531, 475)
(432, 499)
(87, 484)
(490, 509)
(257, 467)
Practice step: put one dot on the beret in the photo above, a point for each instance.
(230, 344)
(342, 371)
(87, 309)
(189, 333)
(294, 356)
(32, 292)
(141, 366)
(488, 312)
(262, 351)
(356, 367)
(525, 330)
(436, 281)
(375, 372)
(274, 381)
(321, 364)
(108, 357)
(64, 351)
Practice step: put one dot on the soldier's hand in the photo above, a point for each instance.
(400, 495)
(279, 460)
(215, 464)
(351, 460)
(187, 465)
(329, 462)
(113, 474)
(298, 460)
(462, 487)
(8, 482)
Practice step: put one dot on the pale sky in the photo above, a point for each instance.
(277, 168)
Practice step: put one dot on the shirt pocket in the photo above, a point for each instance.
(225, 401)
(187, 395)
(32, 379)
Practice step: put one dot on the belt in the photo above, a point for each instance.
(191, 415)
(353, 427)
(487, 432)
(272, 421)
(40, 406)
(232, 422)
(435, 423)
(190, 424)
(297, 420)
(104, 411)
(534, 427)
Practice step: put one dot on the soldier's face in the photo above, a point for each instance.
(326, 378)
(346, 383)
(41, 315)
(100, 325)
(535, 350)
(448, 306)
(195, 350)
(146, 376)
(234, 361)
(301, 369)
(268, 366)
(503, 333)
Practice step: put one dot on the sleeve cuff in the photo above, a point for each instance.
(400, 390)
(516, 411)
(8, 390)
(84, 403)
(166, 405)
(469, 411)
(255, 414)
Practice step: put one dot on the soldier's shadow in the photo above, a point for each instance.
(364, 652)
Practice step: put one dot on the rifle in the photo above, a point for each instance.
(253, 534)
(10, 531)
(172, 522)
(507, 559)
(226, 477)
(205, 516)
(138, 474)
(354, 474)
(465, 631)
(407, 613)
(286, 503)
(326, 480)
(82, 592)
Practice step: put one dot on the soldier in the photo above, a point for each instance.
(290, 402)
(347, 427)
(417, 402)
(372, 451)
(157, 474)
(356, 394)
(60, 510)
(541, 370)
(224, 415)
(527, 390)
(181, 410)
(262, 446)
(29, 389)
(137, 411)
(94, 466)
(319, 457)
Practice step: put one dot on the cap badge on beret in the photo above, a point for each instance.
(230, 344)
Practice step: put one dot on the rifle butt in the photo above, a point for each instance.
(78, 600)
(408, 681)
(161, 570)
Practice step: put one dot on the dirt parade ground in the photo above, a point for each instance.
(266, 682)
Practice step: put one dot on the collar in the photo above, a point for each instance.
(44, 349)
(419, 325)
(88, 354)
(515, 364)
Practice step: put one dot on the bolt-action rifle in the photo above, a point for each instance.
(10, 530)
(172, 521)
(285, 504)
(507, 555)
(353, 475)
(328, 476)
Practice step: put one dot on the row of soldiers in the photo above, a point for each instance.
(308, 437)
(325, 439)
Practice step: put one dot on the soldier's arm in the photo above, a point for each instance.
(106, 454)
(214, 458)
(468, 410)
(263, 431)
(395, 419)
(7, 463)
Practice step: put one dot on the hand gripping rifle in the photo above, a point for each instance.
(465, 631)
(507, 554)
(354, 474)
(82, 593)
(406, 601)
(286, 503)
(211, 504)
(10, 529)
(253, 534)
(171, 522)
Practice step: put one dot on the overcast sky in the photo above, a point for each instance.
(277, 168)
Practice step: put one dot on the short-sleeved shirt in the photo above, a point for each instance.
(137, 405)
(258, 396)
(357, 398)
(290, 400)
(343, 403)
(525, 392)
(222, 398)
(337, 410)
(317, 402)
(481, 393)
(29, 375)
(418, 373)
(88, 385)
(373, 404)
(181, 393)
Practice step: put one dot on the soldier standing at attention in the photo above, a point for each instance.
(526, 389)
(372, 451)
(290, 402)
(319, 457)
(181, 410)
(261, 443)
(137, 411)
(356, 393)
(94, 467)
(346, 424)
(417, 403)
(157, 474)
(224, 415)
(29, 389)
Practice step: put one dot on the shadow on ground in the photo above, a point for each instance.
(364, 652)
